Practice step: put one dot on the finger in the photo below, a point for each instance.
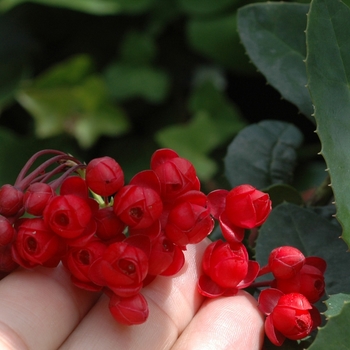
(40, 308)
(173, 301)
(225, 323)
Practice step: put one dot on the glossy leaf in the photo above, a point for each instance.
(274, 37)
(328, 67)
(335, 334)
(263, 154)
(314, 235)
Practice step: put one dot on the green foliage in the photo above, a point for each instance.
(328, 68)
(289, 224)
(214, 121)
(263, 154)
(99, 7)
(273, 35)
(69, 99)
(335, 334)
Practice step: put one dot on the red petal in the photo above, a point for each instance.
(161, 156)
(208, 288)
(217, 202)
(176, 265)
(146, 178)
(231, 233)
(268, 299)
(273, 334)
(253, 271)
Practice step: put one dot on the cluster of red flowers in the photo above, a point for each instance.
(117, 238)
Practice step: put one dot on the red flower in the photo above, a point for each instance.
(35, 244)
(177, 175)
(68, 215)
(165, 258)
(74, 185)
(138, 207)
(104, 176)
(7, 232)
(288, 315)
(36, 198)
(11, 200)
(109, 226)
(79, 260)
(123, 266)
(227, 269)
(130, 310)
(286, 262)
(247, 207)
(309, 281)
(189, 221)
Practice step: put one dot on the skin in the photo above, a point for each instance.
(42, 310)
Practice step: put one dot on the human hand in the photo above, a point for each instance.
(42, 309)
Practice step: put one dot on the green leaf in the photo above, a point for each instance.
(215, 120)
(68, 99)
(328, 68)
(217, 39)
(314, 235)
(335, 334)
(263, 154)
(95, 7)
(335, 304)
(273, 35)
(283, 193)
(125, 81)
(205, 7)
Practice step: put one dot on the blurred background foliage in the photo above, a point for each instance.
(125, 77)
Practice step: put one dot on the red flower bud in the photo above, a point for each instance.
(177, 175)
(286, 262)
(35, 245)
(104, 176)
(79, 260)
(74, 185)
(227, 269)
(288, 315)
(68, 216)
(7, 232)
(123, 266)
(309, 281)
(247, 207)
(138, 207)
(189, 221)
(36, 198)
(129, 311)
(109, 226)
(11, 200)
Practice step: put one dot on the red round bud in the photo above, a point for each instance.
(36, 198)
(11, 200)
(109, 226)
(35, 245)
(68, 216)
(285, 262)
(7, 232)
(247, 207)
(129, 311)
(138, 207)
(104, 176)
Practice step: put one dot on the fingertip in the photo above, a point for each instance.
(225, 323)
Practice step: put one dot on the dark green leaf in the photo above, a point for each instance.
(283, 193)
(328, 67)
(273, 35)
(289, 224)
(335, 334)
(263, 154)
